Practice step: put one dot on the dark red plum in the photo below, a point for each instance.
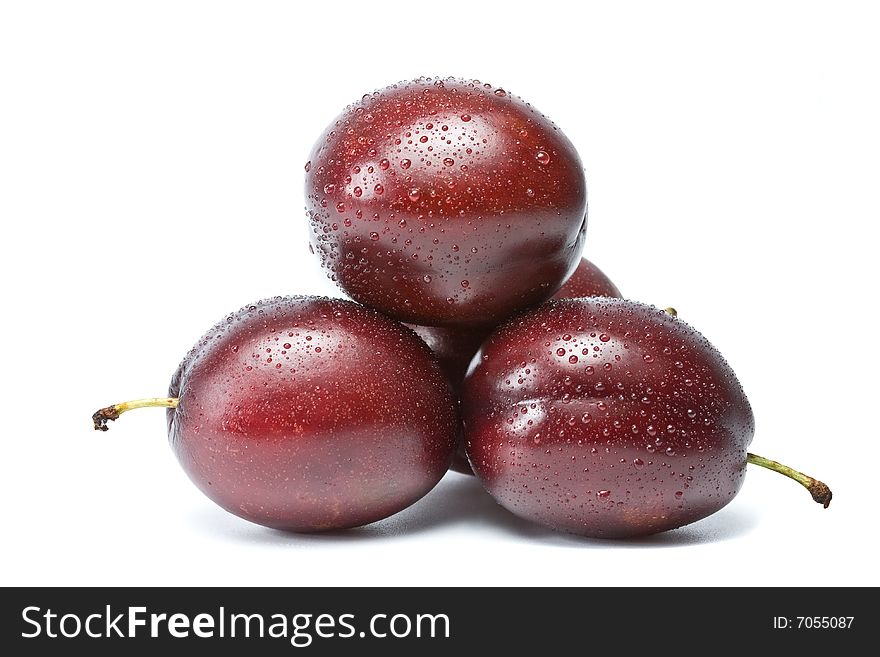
(445, 202)
(308, 414)
(608, 418)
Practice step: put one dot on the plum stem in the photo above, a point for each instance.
(820, 492)
(671, 311)
(111, 413)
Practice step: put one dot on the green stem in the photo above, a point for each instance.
(110, 413)
(820, 492)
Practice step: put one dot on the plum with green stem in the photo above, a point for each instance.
(610, 419)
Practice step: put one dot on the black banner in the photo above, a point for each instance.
(430, 621)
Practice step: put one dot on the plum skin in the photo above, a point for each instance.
(455, 347)
(308, 414)
(446, 203)
(605, 418)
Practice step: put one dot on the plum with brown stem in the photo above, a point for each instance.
(307, 414)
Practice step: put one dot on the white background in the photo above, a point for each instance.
(151, 166)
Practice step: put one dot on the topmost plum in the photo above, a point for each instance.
(445, 202)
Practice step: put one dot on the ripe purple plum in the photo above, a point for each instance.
(308, 414)
(610, 419)
(445, 202)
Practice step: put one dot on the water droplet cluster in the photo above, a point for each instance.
(455, 347)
